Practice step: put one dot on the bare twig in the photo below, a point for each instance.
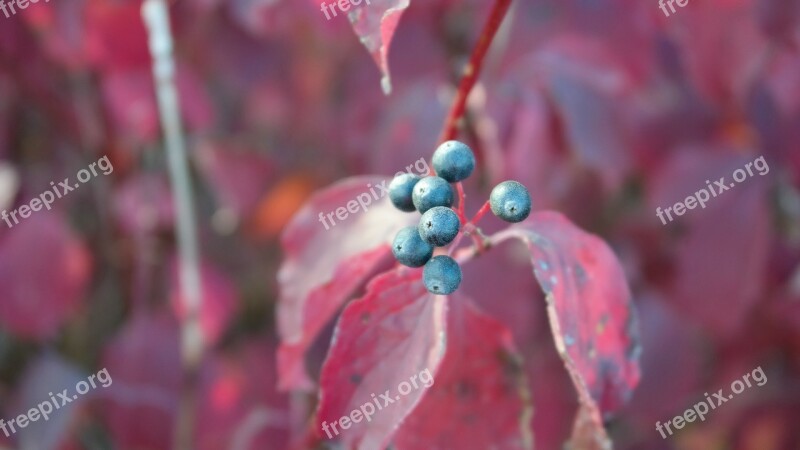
(481, 212)
(156, 18)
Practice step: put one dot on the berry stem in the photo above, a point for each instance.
(461, 200)
(481, 212)
(481, 241)
(473, 69)
(474, 233)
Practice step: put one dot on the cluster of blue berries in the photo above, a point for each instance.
(439, 225)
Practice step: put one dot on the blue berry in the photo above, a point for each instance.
(409, 249)
(439, 226)
(430, 192)
(441, 275)
(453, 161)
(400, 190)
(510, 201)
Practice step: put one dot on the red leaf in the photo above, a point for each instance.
(591, 316)
(509, 262)
(44, 272)
(375, 23)
(521, 310)
(323, 267)
(481, 371)
(393, 333)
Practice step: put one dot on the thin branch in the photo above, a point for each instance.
(462, 198)
(481, 212)
(156, 18)
(473, 69)
(457, 111)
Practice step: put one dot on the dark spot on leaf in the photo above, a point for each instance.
(511, 363)
(634, 349)
(471, 419)
(580, 275)
(592, 350)
(356, 378)
(601, 326)
(463, 389)
(365, 317)
(430, 224)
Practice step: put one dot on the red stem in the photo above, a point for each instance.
(481, 212)
(458, 108)
(473, 69)
(462, 197)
